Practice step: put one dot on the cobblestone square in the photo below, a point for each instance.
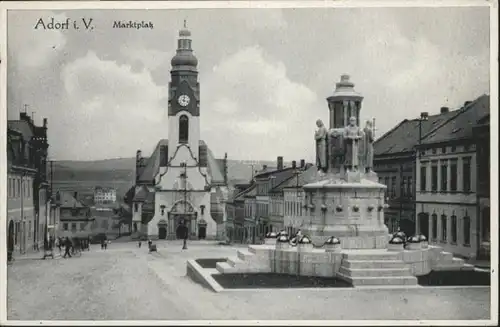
(126, 283)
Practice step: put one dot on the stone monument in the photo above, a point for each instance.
(343, 234)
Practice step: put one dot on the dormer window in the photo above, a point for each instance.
(183, 129)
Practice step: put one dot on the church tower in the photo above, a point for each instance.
(344, 103)
(184, 97)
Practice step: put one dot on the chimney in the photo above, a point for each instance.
(445, 110)
(302, 163)
(75, 195)
(294, 164)
(279, 163)
(45, 123)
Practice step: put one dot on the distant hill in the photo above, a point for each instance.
(84, 176)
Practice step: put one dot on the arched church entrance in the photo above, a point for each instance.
(202, 229)
(182, 214)
(10, 240)
(162, 229)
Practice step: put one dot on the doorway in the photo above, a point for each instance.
(423, 224)
(202, 232)
(10, 239)
(162, 232)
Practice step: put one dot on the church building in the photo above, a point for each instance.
(181, 182)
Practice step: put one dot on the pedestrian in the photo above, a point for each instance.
(59, 244)
(149, 244)
(67, 247)
(139, 244)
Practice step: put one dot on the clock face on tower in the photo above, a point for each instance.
(183, 100)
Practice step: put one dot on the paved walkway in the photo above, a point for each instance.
(126, 283)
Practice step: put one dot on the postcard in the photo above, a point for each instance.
(257, 162)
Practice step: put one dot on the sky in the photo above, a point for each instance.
(264, 74)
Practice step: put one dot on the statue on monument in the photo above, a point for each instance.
(352, 135)
(368, 146)
(321, 146)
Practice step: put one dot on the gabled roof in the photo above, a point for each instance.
(69, 201)
(280, 176)
(22, 127)
(405, 136)
(306, 176)
(149, 171)
(152, 166)
(461, 126)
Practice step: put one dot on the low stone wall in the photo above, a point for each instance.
(202, 276)
(297, 260)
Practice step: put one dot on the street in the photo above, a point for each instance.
(126, 283)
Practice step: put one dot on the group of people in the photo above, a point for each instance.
(71, 246)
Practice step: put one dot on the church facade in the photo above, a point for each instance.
(181, 182)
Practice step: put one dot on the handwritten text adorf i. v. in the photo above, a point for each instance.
(64, 24)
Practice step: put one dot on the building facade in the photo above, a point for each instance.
(181, 182)
(395, 159)
(482, 140)
(447, 201)
(75, 219)
(27, 188)
(104, 195)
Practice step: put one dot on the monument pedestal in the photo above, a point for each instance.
(350, 209)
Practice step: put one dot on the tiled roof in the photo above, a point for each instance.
(461, 126)
(22, 127)
(280, 176)
(152, 166)
(307, 176)
(68, 200)
(405, 136)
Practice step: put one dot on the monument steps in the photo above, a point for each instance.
(233, 261)
(371, 255)
(382, 281)
(375, 268)
(245, 254)
(225, 267)
(391, 272)
(376, 264)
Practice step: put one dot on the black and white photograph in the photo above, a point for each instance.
(249, 162)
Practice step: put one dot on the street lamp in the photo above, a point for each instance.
(424, 116)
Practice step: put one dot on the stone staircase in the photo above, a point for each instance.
(246, 261)
(375, 268)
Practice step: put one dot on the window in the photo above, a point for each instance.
(467, 231)
(404, 187)
(183, 129)
(454, 229)
(387, 190)
(434, 177)
(423, 178)
(434, 151)
(73, 226)
(65, 226)
(136, 207)
(393, 187)
(443, 149)
(409, 186)
(453, 149)
(82, 226)
(29, 229)
(444, 176)
(18, 187)
(434, 226)
(466, 175)
(453, 175)
(444, 228)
